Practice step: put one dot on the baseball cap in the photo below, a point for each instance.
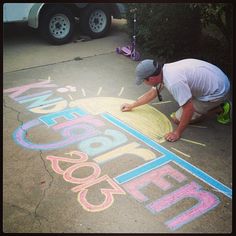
(147, 68)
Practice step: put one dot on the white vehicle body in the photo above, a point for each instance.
(59, 18)
(11, 15)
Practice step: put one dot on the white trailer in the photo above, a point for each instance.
(57, 21)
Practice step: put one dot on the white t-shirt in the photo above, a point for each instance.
(194, 78)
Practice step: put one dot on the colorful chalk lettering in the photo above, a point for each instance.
(131, 148)
(67, 174)
(50, 108)
(76, 126)
(108, 193)
(69, 114)
(156, 177)
(88, 119)
(70, 135)
(110, 139)
(167, 157)
(206, 201)
(41, 100)
(86, 182)
(19, 99)
(55, 160)
(17, 91)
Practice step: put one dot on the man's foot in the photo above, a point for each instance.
(174, 119)
(225, 116)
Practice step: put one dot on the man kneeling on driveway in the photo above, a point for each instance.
(201, 89)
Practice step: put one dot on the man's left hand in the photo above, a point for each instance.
(172, 136)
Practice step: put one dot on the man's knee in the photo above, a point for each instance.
(196, 117)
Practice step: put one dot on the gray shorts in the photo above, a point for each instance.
(201, 108)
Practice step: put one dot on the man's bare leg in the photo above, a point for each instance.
(210, 113)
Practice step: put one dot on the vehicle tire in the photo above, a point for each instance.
(135, 56)
(95, 21)
(57, 25)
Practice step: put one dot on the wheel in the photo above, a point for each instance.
(95, 21)
(135, 56)
(57, 25)
(118, 50)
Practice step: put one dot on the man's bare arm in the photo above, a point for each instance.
(184, 121)
(144, 99)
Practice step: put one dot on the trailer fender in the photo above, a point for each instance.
(33, 20)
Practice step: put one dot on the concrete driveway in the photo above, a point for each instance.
(73, 163)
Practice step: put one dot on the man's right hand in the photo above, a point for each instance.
(126, 107)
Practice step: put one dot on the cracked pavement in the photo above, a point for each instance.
(40, 196)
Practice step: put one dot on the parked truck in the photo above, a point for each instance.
(57, 22)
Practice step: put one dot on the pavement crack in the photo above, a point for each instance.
(25, 211)
(100, 54)
(52, 178)
(17, 116)
(44, 191)
(20, 209)
(36, 216)
(60, 62)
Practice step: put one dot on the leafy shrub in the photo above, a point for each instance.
(173, 31)
(216, 44)
(167, 30)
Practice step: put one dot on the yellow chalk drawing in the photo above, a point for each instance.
(198, 126)
(130, 148)
(83, 91)
(121, 91)
(194, 142)
(157, 103)
(54, 107)
(99, 91)
(70, 97)
(145, 119)
(180, 152)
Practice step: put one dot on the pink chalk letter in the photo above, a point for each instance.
(67, 175)
(206, 202)
(107, 192)
(156, 177)
(55, 161)
(17, 91)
